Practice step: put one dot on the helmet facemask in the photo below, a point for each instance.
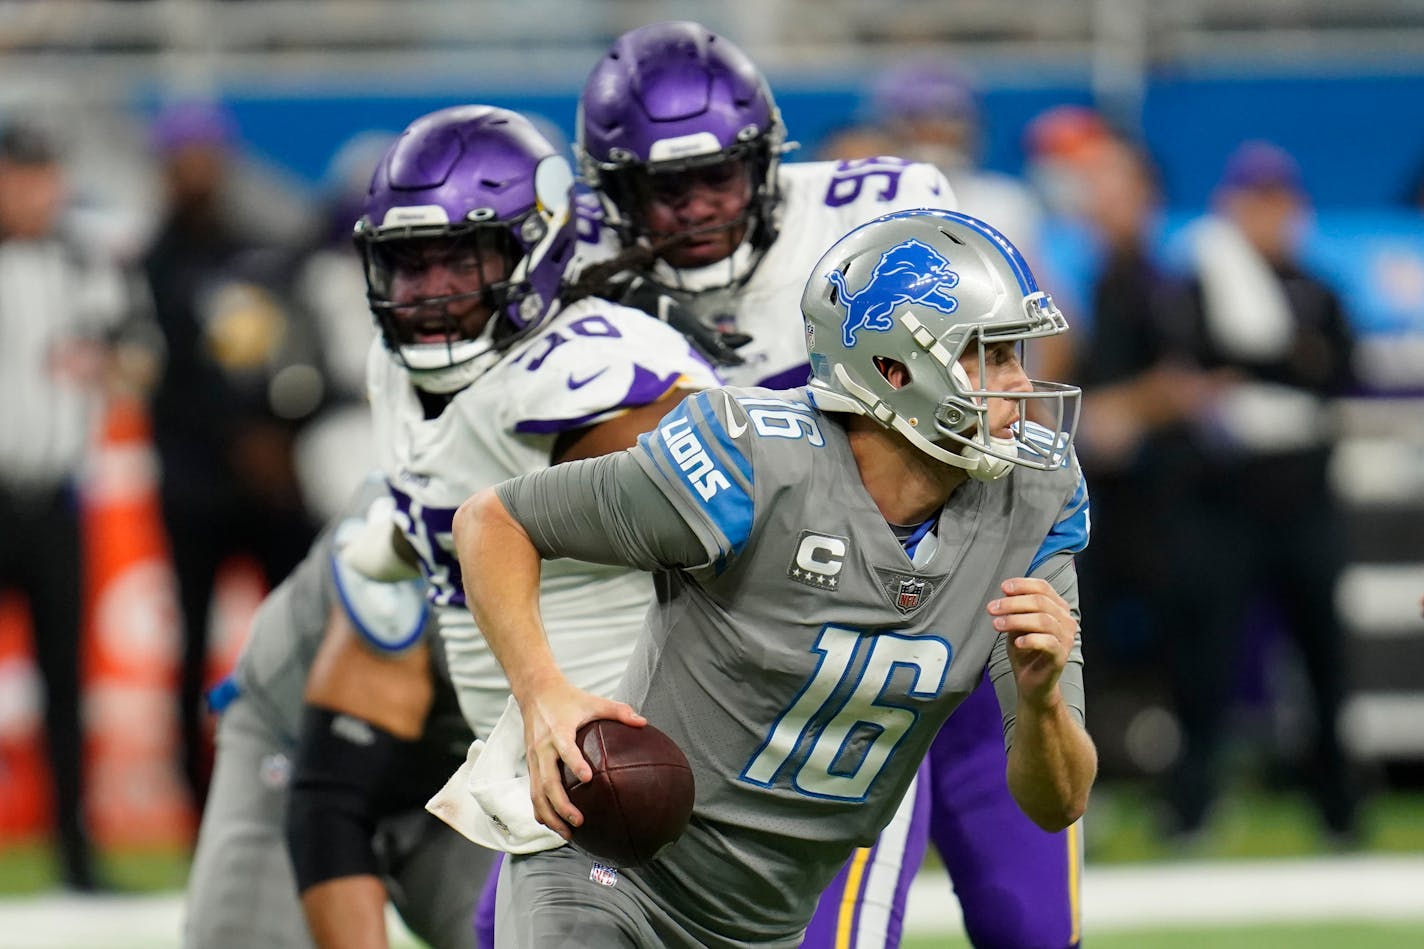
(428, 333)
(480, 257)
(633, 191)
(466, 234)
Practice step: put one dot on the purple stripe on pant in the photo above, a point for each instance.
(484, 912)
(877, 881)
(1012, 878)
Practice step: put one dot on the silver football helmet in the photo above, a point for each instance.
(924, 288)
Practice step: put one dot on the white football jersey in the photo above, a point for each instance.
(593, 361)
(820, 203)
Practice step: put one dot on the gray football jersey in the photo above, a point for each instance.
(806, 668)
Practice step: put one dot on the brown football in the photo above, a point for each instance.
(640, 796)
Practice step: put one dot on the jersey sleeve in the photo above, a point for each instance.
(1070, 530)
(596, 362)
(602, 510)
(701, 457)
(838, 196)
(1061, 573)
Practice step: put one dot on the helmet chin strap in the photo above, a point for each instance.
(988, 467)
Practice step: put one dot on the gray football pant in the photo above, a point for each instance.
(241, 889)
(558, 899)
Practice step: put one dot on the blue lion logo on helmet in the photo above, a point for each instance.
(910, 272)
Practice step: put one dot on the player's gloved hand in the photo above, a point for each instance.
(718, 348)
(552, 718)
(1040, 629)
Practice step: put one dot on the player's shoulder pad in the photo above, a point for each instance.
(855, 191)
(924, 185)
(702, 452)
(596, 360)
(389, 615)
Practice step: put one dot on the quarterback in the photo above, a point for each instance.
(701, 222)
(839, 565)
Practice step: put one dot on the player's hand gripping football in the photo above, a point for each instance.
(1040, 629)
(552, 717)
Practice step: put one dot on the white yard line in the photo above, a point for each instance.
(1118, 897)
(1236, 891)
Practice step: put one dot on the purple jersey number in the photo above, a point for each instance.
(851, 178)
(588, 326)
(430, 531)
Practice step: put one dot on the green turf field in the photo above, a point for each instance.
(1252, 824)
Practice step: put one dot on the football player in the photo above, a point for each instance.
(357, 822)
(682, 139)
(841, 566)
(482, 373)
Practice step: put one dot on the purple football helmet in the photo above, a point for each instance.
(477, 191)
(668, 98)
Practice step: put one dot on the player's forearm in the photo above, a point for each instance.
(347, 913)
(1051, 765)
(501, 570)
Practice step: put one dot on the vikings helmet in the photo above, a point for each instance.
(923, 288)
(669, 97)
(478, 182)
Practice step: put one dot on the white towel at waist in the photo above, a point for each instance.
(487, 799)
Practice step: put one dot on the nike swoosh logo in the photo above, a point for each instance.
(580, 383)
(734, 428)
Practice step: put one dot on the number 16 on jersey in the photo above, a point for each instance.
(840, 758)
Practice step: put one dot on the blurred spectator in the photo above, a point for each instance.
(240, 378)
(1135, 396)
(855, 141)
(66, 314)
(1062, 145)
(929, 108)
(334, 450)
(1258, 517)
(1414, 191)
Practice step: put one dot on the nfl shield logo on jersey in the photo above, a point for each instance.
(603, 874)
(906, 592)
(909, 596)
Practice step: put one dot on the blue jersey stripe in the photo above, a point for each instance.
(678, 445)
(729, 445)
(1070, 533)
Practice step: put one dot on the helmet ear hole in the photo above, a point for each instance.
(896, 373)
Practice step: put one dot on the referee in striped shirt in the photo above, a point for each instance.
(61, 313)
